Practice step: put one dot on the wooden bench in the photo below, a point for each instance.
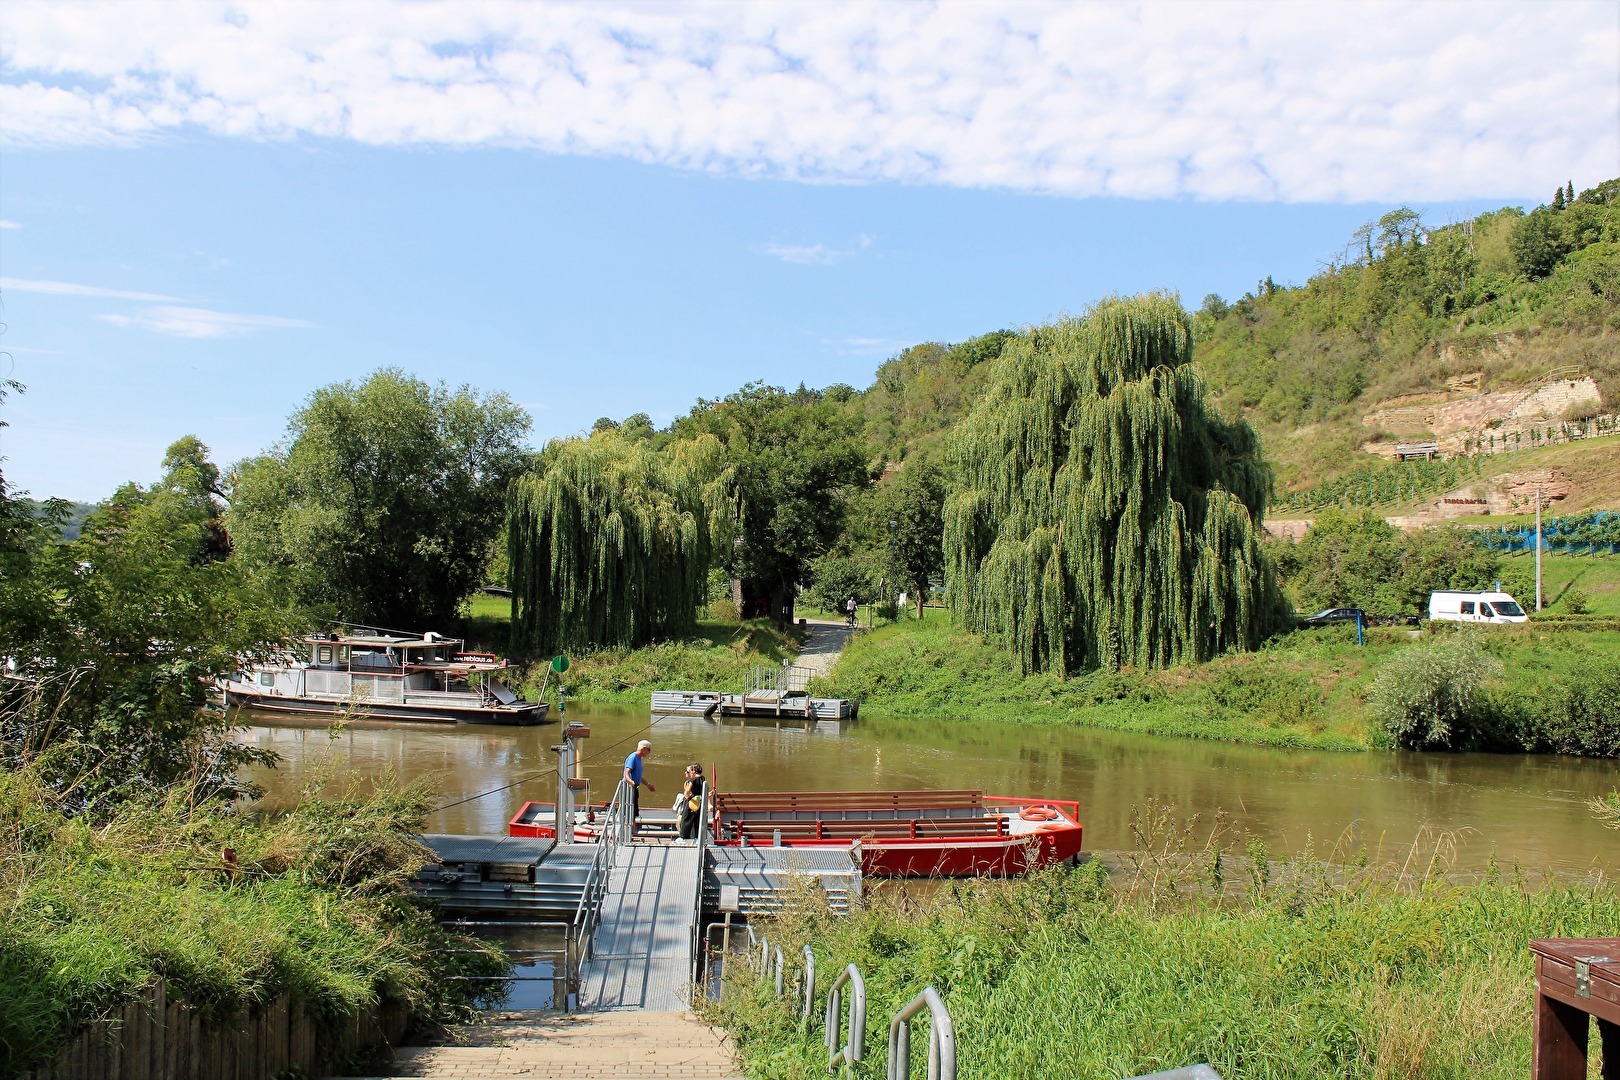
(745, 801)
(925, 828)
(1577, 981)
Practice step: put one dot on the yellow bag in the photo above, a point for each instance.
(694, 804)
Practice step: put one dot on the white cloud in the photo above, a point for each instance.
(69, 288)
(4, 224)
(813, 255)
(190, 322)
(866, 346)
(1250, 100)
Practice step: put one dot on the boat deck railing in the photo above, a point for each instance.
(776, 681)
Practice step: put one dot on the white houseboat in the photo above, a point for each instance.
(381, 675)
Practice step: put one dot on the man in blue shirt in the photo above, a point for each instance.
(634, 776)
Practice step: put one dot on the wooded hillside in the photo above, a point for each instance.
(1407, 307)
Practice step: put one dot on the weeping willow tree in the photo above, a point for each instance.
(610, 541)
(1104, 516)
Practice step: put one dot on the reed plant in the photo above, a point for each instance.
(1192, 949)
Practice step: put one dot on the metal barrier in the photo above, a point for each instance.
(702, 843)
(807, 985)
(941, 1038)
(855, 1048)
(614, 831)
(1191, 1072)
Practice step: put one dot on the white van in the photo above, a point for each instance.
(1482, 607)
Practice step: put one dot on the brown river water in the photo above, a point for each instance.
(1518, 808)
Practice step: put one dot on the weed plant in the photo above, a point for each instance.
(233, 910)
(1189, 952)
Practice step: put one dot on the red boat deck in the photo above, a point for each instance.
(908, 833)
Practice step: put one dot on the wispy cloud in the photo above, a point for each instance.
(1223, 100)
(69, 288)
(4, 224)
(866, 346)
(815, 254)
(191, 322)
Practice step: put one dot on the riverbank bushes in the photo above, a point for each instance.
(231, 910)
(1297, 970)
(717, 657)
(1308, 688)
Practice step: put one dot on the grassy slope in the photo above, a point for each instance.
(1063, 975)
(93, 912)
(1304, 689)
(717, 657)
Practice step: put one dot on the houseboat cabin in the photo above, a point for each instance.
(385, 676)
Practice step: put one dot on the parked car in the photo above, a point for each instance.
(1334, 615)
(1475, 607)
(1350, 614)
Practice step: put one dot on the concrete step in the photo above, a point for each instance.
(629, 1044)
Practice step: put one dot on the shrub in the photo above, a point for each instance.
(1583, 715)
(1575, 602)
(1431, 696)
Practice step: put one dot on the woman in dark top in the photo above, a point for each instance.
(691, 802)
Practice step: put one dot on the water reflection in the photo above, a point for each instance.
(1520, 808)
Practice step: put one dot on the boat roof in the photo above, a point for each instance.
(385, 641)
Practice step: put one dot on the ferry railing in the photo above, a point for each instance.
(941, 1038)
(853, 1049)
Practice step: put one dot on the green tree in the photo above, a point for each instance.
(915, 501)
(610, 541)
(384, 500)
(793, 460)
(1106, 516)
(1360, 560)
(134, 619)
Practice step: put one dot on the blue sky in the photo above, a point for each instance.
(195, 238)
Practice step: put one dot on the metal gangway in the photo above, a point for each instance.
(638, 920)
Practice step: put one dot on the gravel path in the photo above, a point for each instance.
(823, 647)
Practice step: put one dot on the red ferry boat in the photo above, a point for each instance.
(898, 833)
(908, 833)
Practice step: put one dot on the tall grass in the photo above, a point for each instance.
(1304, 969)
(317, 904)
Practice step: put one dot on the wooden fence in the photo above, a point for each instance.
(155, 1037)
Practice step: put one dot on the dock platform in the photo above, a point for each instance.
(642, 957)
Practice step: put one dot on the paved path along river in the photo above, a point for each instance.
(622, 1045)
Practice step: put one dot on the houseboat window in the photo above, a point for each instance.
(343, 654)
(326, 654)
(266, 679)
(1467, 607)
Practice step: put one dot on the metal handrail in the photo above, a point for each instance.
(807, 985)
(855, 1048)
(697, 892)
(941, 1038)
(609, 837)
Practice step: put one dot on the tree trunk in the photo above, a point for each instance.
(782, 605)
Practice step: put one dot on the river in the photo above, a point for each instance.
(1518, 808)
